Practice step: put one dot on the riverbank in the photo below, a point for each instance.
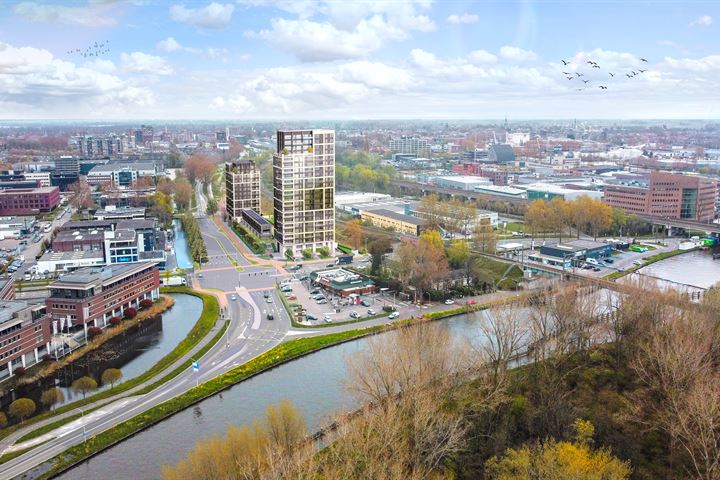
(646, 261)
(64, 414)
(283, 353)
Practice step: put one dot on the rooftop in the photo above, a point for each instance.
(68, 256)
(255, 216)
(93, 276)
(136, 223)
(112, 167)
(70, 235)
(16, 191)
(396, 216)
(9, 308)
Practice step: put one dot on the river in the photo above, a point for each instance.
(694, 269)
(182, 254)
(314, 383)
(133, 352)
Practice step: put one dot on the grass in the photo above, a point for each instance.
(647, 261)
(282, 353)
(498, 268)
(200, 329)
(6, 457)
(48, 428)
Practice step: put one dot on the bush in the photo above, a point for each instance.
(388, 308)
(94, 332)
(324, 252)
(507, 284)
(115, 321)
(344, 248)
(130, 313)
(22, 408)
(47, 358)
(146, 303)
(3, 420)
(307, 254)
(19, 371)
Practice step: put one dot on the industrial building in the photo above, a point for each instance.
(577, 250)
(462, 182)
(397, 222)
(548, 191)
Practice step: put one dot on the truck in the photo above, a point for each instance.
(174, 281)
(343, 259)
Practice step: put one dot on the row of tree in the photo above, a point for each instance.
(196, 243)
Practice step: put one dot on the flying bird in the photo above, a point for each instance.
(633, 73)
(611, 74)
(579, 74)
(570, 77)
(595, 65)
(567, 73)
(628, 75)
(590, 62)
(603, 87)
(586, 81)
(642, 71)
(565, 63)
(643, 60)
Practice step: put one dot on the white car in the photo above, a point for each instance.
(269, 300)
(449, 301)
(233, 297)
(394, 315)
(327, 319)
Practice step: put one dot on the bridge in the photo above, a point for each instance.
(407, 187)
(685, 224)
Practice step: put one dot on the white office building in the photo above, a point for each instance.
(304, 190)
(405, 144)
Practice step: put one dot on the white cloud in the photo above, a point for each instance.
(349, 30)
(703, 21)
(169, 45)
(213, 15)
(517, 54)
(139, 62)
(482, 56)
(376, 75)
(464, 18)
(710, 63)
(92, 15)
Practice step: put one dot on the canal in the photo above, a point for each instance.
(696, 269)
(182, 254)
(314, 383)
(133, 352)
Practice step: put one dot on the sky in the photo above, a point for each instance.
(358, 59)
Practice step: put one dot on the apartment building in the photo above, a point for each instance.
(24, 335)
(668, 195)
(406, 144)
(304, 190)
(242, 187)
(91, 296)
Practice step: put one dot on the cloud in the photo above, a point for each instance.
(169, 45)
(212, 16)
(331, 30)
(482, 56)
(464, 18)
(91, 15)
(139, 62)
(710, 63)
(517, 54)
(703, 21)
(376, 75)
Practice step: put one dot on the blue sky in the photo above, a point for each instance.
(305, 59)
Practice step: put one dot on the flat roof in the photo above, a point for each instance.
(255, 216)
(500, 189)
(384, 212)
(15, 191)
(86, 225)
(68, 256)
(89, 276)
(111, 167)
(8, 308)
(70, 235)
(131, 223)
(465, 178)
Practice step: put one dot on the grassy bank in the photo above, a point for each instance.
(647, 261)
(200, 329)
(278, 355)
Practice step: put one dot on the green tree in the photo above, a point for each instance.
(212, 206)
(52, 396)
(458, 253)
(84, 385)
(324, 252)
(3, 420)
(307, 254)
(289, 254)
(111, 375)
(22, 408)
(378, 248)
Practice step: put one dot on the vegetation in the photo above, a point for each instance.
(199, 167)
(253, 243)
(84, 385)
(324, 252)
(160, 206)
(3, 420)
(212, 206)
(198, 250)
(111, 376)
(21, 408)
(307, 254)
(362, 170)
(646, 261)
(52, 396)
(184, 194)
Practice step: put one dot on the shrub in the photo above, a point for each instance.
(48, 358)
(19, 371)
(94, 332)
(324, 252)
(507, 284)
(388, 308)
(307, 254)
(115, 321)
(22, 408)
(130, 313)
(3, 420)
(146, 303)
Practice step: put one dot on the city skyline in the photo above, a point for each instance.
(258, 59)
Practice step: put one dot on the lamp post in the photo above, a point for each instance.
(82, 420)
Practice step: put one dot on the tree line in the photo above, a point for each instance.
(196, 243)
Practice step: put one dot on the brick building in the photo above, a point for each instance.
(29, 201)
(91, 296)
(24, 335)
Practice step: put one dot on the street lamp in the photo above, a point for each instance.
(82, 420)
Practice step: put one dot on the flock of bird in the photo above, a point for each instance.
(593, 65)
(94, 50)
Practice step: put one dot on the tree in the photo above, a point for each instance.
(22, 408)
(458, 253)
(183, 193)
(353, 231)
(111, 375)
(199, 167)
(558, 460)
(537, 217)
(424, 264)
(432, 212)
(289, 254)
(161, 208)
(165, 186)
(3, 420)
(324, 252)
(307, 254)
(81, 195)
(378, 248)
(52, 396)
(84, 385)
(559, 215)
(485, 238)
(212, 206)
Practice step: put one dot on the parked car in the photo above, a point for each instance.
(327, 319)
(270, 316)
(233, 297)
(314, 291)
(449, 301)
(596, 269)
(266, 294)
(295, 268)
(321, 301)
(365, 303)
(372, 312)
(303, 278)
(269, 300)
(587, 266)
(292, 297)
(394, 315)
(330, 265)
(354, 314)
(310, 316)
(609, 260)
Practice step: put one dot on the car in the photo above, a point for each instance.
(303, 278)
(200, 275)
(314, 291)
(394, 315)
(295, 268)
(266, 295)
(472, 301)
(286, 290)
(596, 269)
(609, 260)
(372, 312)
(638, 262)
(354, 314)
(233, 297)
(365, 303)
(327, 319)
(321, 301)
(270, 316)
(319, 296)
(587, 266)
(449, 301)
(269, 300)
(310, 316)
(292, 297)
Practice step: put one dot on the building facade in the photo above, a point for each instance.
(304, 190)
(24, 335)
(242, 187)
(398, 222)
(42, 178)
(91, 296)
(120, 175)
(412, 145)
(668, 195)
(29, 201)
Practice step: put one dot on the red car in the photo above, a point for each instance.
(292, 297)
(472, 301)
